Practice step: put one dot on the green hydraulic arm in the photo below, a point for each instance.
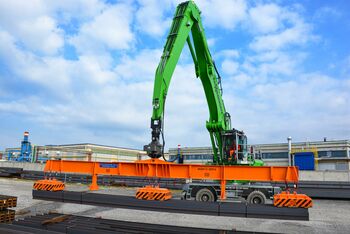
(187, 22)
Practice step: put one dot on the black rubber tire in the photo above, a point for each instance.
(256, 197)
(205, 195)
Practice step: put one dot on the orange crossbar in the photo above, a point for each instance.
(161, 169)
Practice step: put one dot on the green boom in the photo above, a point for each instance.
(187, 21)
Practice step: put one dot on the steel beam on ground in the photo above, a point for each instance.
(176, 206)
(80, 224)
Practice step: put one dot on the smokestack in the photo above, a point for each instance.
(180, 159)
(26, 136)
(289, 151)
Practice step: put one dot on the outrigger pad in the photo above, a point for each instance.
(153, 193)
(49, 185)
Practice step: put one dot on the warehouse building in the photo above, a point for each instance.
(85, 152)
(327, 155)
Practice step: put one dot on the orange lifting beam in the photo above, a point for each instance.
(161, 169)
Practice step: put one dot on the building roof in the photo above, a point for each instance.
(90, 144)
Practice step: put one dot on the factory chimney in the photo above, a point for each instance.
(26, 136)
(289, 151)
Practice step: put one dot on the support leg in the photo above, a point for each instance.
(94, 185)
(223, 190)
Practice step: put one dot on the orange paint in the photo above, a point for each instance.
(286, 199)
(153, 193)
(49, 185)
(161, 169)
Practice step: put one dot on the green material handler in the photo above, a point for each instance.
(229, 145)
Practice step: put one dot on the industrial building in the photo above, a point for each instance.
(85, 152)
(311, 155)
(327, 155)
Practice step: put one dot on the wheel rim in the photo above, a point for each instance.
(205, 197)
(256, 200)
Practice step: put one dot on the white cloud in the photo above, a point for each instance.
(186, 110)
(229, 67)
(41, 34)
(31, 26)
(311, 94)
(224, 13)
(139, 68)
(236, 82)
(51, 72)
(261, 67)
(227, 53)
(67, 10)
(278, 27)
(111, 29)
(327, 13)
(278, 63)
(311, 106)
(297, 35)
(266, 18)
(151, 17)
(227, 14)
(344, 66)
(94, 70)
(211, 42)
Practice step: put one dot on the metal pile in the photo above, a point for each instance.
(230, 209)
(11, 172)
(7, 215)
(61, 223)
(129, 181)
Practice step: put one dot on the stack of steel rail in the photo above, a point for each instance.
(231, 209)
(59, 223)
(11, 171)
(108, 180)
(322, 189)
(7, 215)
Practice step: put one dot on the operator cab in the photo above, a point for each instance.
(234, 146)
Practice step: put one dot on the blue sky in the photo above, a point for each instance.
(82, 71)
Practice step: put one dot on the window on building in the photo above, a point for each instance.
(332, 153)
(339, 153)
(208, 156)
(341, 166)
(172, 157)
(197, 156)
(274, 155)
